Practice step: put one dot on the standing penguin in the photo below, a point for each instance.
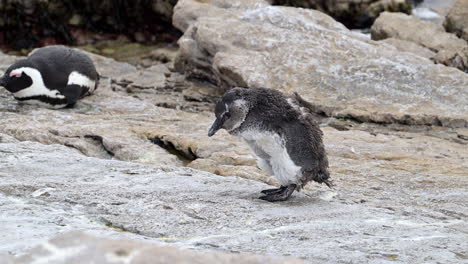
(282, 133)
(55, 76)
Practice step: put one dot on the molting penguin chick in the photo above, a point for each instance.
(282, 133)
(54, 76)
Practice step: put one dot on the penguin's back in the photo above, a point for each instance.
(61, 66)
(303, 140)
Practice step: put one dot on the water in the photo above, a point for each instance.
(432, 10)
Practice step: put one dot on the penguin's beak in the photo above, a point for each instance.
(218, 123)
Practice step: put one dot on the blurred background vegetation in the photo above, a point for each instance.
(122, 29)
(26, 24)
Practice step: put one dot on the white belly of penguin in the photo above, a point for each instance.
(282, 166)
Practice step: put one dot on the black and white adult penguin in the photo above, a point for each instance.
(282, 133)
(54, 76)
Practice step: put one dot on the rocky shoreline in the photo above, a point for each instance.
(134, 162)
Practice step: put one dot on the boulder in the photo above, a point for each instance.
(456, 20)
(405, 187)
(408, 46)
(341, 73)
(451, 50)
(352, 13)
(77, 248)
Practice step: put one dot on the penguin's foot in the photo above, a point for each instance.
(275, 190)
(282, 195)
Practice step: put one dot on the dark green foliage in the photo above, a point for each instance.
(28, 24)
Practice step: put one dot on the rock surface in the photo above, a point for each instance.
(389, 204)
(408, 46)
(451, 50)
(352, 13)
(115, 166)
(340, 72)
(142, 115)
(456, 20)
(78, 248)
(361, 220)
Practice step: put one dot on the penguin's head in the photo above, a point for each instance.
(230, 111)
(16, 77)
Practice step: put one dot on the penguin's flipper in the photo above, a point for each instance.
(73, 92)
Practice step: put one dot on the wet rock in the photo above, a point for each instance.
(78, 247)
(456, 20)
(451, 50)
(352, 13)
(339, 72)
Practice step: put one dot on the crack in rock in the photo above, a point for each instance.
(100, 141)
(185, 155)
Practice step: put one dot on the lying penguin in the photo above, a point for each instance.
(282, 133)
(54, 76)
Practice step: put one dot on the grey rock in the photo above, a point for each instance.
(408, 46)
(453, 50)
(395, 206)
(400, 194)
(136, 115)
(340, 72)
(456, 20)
(54, 188)
(352, 13)
(76, 247)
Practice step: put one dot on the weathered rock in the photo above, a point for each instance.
(340, 72)
(408, 46)
(397, 187)
(456, 20)
(457, 59)
(80, 248)
(352, 13)
(451, 50)
(391, 186)
(409, 28)
(136, 115)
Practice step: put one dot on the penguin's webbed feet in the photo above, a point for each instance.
(274, 190)
(281, 194)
